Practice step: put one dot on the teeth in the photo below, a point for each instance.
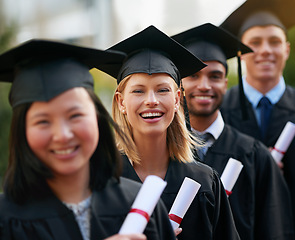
(203, 97)
(155, 114)
(64, 152)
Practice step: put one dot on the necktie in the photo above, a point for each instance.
(265, 110)
(208, 139)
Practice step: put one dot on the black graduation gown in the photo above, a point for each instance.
(51, 219)
(260, 199)
(282, 112)
(209, 216)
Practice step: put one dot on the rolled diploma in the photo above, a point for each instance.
(183, 200)
(283, 142)
(230, 174)
(145, 202)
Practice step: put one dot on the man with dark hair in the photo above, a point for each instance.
(260, 199)
(263, 25)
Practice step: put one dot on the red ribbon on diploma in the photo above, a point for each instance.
(228, 192)
(141, 212)
(175, 218)
(278, 150)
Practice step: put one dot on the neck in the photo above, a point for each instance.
(70, 189)
(154, 156)
(201, 123)
(263, 86)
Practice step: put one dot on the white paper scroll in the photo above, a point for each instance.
(283, 141)
(230, 174)
(183, 200)
(143, 205)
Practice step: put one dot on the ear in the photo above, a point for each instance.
(288, 48)
(225, 84)
(120, 102)
(177, 99)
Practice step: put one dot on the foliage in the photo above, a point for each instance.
(7, 35)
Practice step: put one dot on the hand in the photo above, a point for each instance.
(280, 164)
(177, 231)
(127, 237)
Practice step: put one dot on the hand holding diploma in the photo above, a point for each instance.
(183, 200)
(283, 142)
(230, 174)
(143, 206)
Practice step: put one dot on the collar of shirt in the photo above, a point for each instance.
(215, 128)
(273, 95)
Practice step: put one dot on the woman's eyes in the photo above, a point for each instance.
(164, 90)
(76, 115)
(137, 91)
(161, 90)
(41, 122)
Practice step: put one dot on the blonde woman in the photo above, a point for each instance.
(147, 106)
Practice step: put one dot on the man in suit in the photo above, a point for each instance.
(269, 104)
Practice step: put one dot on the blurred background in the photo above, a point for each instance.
(100, 24)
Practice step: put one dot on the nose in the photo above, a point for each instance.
(62, 131)
(151, 99)
(265, 48)
(204, 84)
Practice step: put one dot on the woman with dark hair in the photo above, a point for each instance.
(62, 180)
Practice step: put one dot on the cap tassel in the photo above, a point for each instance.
(241, 89)
(185, 108)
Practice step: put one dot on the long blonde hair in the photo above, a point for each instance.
(180, 141)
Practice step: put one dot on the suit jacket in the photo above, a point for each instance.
(260, 199)
(209, 216)
(282, 112)
(50, 219)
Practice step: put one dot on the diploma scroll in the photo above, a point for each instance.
(183, 200)
(283, 142)
(143, 205)
(230, 174)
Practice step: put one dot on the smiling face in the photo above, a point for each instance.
(271, 51)
(63, 133)
(205, 90)
(150, 102)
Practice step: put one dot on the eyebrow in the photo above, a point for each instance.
(217, 71)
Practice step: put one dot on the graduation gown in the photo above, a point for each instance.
(50, 219)
(282, 112)
(209, 216)
(260, 199)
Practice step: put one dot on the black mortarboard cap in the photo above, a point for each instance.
(152, 51)
(260, 13)
(211, 43)
(39, 70)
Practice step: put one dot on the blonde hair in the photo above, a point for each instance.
(180, 141)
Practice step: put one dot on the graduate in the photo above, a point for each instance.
(147, 106)
(263, 25)
(63, 177)
(260, 200)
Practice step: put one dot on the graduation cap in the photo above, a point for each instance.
(211, 43)
(260, 13)
(152, 51)
(39, 70)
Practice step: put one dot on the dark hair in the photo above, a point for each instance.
(26, 175)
